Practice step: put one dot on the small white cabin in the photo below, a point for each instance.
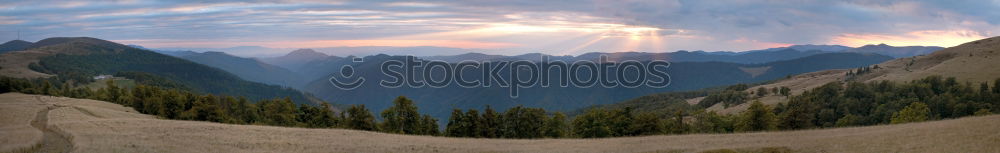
(102, 77)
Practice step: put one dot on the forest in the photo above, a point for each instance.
(157, 70)
(836, 104)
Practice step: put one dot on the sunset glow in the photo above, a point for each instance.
(916, 38)
(508, 28)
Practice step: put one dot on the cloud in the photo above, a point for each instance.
(525, 25)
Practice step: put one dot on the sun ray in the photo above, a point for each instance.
(576, 49)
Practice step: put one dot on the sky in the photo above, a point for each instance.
(508, 27)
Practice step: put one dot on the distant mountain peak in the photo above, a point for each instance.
(14, 45)
(295, 59)
(79, 45)
(810, 47)
(16, 41)
(216, 53)
(895, 51)
(306, 53)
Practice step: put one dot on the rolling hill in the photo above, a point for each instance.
(896, 52)
(14, 45)
(970, 62)
(81, 58)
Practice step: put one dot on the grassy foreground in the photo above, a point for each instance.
(96, 126)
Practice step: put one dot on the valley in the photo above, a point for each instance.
(509, 76)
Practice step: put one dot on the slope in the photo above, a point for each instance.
(973, 62)
(247, 68)
(896, 52)
(80, 58)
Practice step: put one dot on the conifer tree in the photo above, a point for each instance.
(490, 123)
(402, 117)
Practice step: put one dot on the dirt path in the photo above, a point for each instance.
(52, 141)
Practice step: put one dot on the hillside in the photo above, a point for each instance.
(247, 68)
(972, 62)
(896, 52)
(14, 45)
(62, 124)
(80, 58)
(439, 102)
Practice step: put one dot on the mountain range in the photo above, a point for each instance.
(309, 71)
(80, 58)
(438, 102)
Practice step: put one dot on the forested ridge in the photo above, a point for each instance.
(836, 104)
(80, 58)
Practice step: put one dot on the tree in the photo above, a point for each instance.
(848, 120)
(799, 113)
(827, 118)
(402, 117)
(175, 103)
(429, 125)
(472, 123)
(47, 88)
(916, 112)
(711, 122)
(66, 90)
(556, 127)
(592, 124)
(523, 122)
(761, 92)
(996, 86)
(785, 91)
(621, 122)
(727, 98)
(464, 124)
(490, 123)
(676, 123)
(647, 124)
(758, 117)
(322, 116)
(247, 112)
(360, 118)
(456, 127)
(281, 112)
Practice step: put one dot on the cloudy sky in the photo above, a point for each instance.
(508, 26)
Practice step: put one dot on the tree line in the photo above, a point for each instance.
(175, 103)
(836, 104)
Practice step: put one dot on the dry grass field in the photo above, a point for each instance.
(96, 126)
(15, 64)
(972, 62)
